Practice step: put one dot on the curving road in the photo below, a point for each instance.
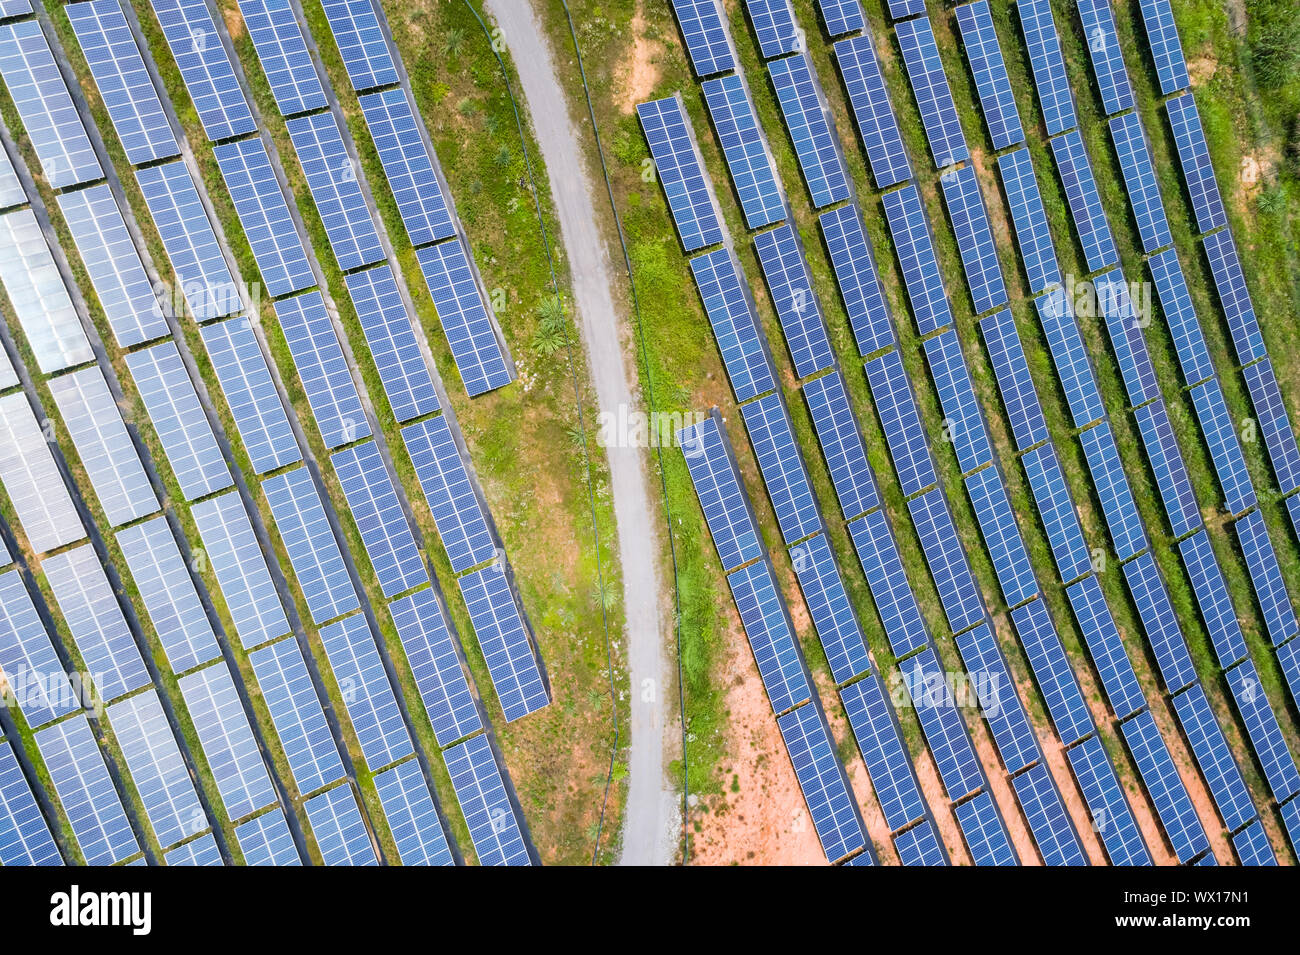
(651, 817)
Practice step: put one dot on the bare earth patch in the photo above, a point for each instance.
(234, 23)
(637, 77)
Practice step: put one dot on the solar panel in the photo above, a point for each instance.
(157, 768)
(869, 100)
(33, 481)
(460, 516)
(920, 846)
(1050, 80)
(11, 190)
(38, 296)
(1051, 666)
(323, 369)
(1106, 647)
(1184, 328)
(881, 743)
(680, 170)
(422, 627)
(722, 496)
(1225, 449)
(304, 526)
(841, 443)
(1194, 157)
(202, 851)
(264, 214)
(187, 236)
(745, 149)
(896, 406)
(205, 66)
(1293, 510)
(944, 729)
(997, 521)
(380, 519)
(963, 423)
(1028, 217)
(910, 229)
(856, 277)
(95, 425)
(85, 789)
(254, 400)
(781, 464)
(362, 45)
(1075, 170)
(1165, 787)
(1070, 357)
(266, 840)
(295, 708)
(933, 95)
(8, 377)
(24, 834)
(240, 569)
(997, 696)
(1107, 59)
(808, 119)
(828, 604)
(984, 54)
(1266, 575)
(339, 828)
(1274, 423)
(821, 778)
(1158, 620)
(970, 225)
(877, 550)
(504, 638)
(413, 816)
(775, 27)
(708, 41)
(40, 95)
(1167, 466)
(1290, 813)
(771, 636)
(494, 826)
(1266, 737)
(1011, 370)
(1111, 817)
(1127, 534)
(986, 836)
(1166, 50)
(1124, 326)
(947, 560)
(841, 16)
(1049, 823)
(405, 158)
(475, 345)
(780, 254)
(28, 662)
(281, 47)
(1234, 296)
(731, 314)
(1288, 659)
(1252, 846)
(1140, 180)
(1056, 509)
(898, 9)
(1218, 766)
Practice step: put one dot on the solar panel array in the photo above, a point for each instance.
(1048, 821)
(314, 553)
(1252, 846)
(997, 521)
(780, 255)
(901, 422)
(1107, 59)
(770, 633)
(1265, 734)
(460, 516)
(494, 826)
(323, 369)
(333, 181)
(828, 604)
(340, 830)
(1194, 158)
(1266, 575)
(1106, 648)
(1166, 49)
(877, 551)
(722, 496)
(1124, 326)
(30, 663)
(986, 836)
(970, 226)
(39, 299)
(933, 95)
(11, 190)
(984, 54)
(1222, 775)
(295, 708)
(1075, 170)
(205, 66)
(963, 421)
(1104, 795)
(1113, 491)
(412, 816)
(282, 48)
(1167, 466)
(876, 730)
(1274, 422)
(1225, 448)
(25, 837)
(992, 682)
(33, 481)
(1151, 597)
(377, 510)
(361, 42)
(782, 466)
(869, 100)
(372, 705)
(857, 279)
(1234, 296)
(1165, 787)
(422, 628)
(1056, 508)
(947, 560)
(775, 26)
(735, 325)
(708, 40)
(201, 851)
(808, 119)
(681, 172)
(920, 846)
(1050, 80)
(1070, 357)
(841, 16)
(841, 443)
(266, 840)
(504, 638)
(745, 150)
(1140, 181)
(825, 787)
(1029, 219)
(1051, 666)
(914, 245)
(940, 721)
(1019, 397)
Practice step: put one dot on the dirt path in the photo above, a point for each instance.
(651, 818)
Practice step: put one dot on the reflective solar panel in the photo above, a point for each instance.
(205, 66)
(422, 627)
(504, 638)
(1057, 511)
(8, 377)
(494, 826)
(1124, 326)
(997, 696)
(202, 851)
(1166, 50)
(970, 226)
(11, 190)
(339, 828)
(1194, 158)
(1070, 357)
(86, 791)
(1075, 170)
(857, 279)
(1165, 787)
(1140, 180)
(1127, 534)
(986, 836)
(1265, 734)
(266, 840)
(745, 148)
(38, 296)
(808, 120)
(1225, 449)
(828, 604)
(1288, 660)
(1111, 817)
(825, 787)
(314, 553)
(680, 170)
(933, 95)
(722, 496)
(475, 345)
(782, 467)
(1234, 296)
(25, 838)
(459, 514)
(413, 816)
(963, 421)
(909, 227)
(14, 8)
(735, 324)
(323, 369)
(920, 846)
(997, 521)
(881, 743)
(780, 254)
(1266, 575)
(1051, 666)
(1050, 80)
(984, 54)
(380, 519)
(946, 558)
(362, 45)
(28, 662)
(1106, 648)
(1176, 305)
(1218, 766)
(841, 16)
(296, 712)
(32, 479)
(1290, 812)
(905, 8)
(1167, 466)
(775, 26)
(1049, 823)
(869, 100)
(1011, 370)
(1107, 59)
(1029, 219)
(944, 729)
(896, 406)
(281, 47)
(1274, 423)
(877, 550)
(1151, 597)
(841, 443)
(771, 636)
(240, 569)
(708, 41)
(1252, 846)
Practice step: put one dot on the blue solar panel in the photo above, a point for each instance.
(781, 464)
(1194, 157)
(841, 443)
(391, 336)
(771, 636)
(998, 700)
(1184, 328)
(841, 16)
(869, 99)
(25, 838)
(339, 828)
(909, 227)
(505, 641)
(681, 172)
(856, 277)
(828, 605)
(380, 519)
(775, 26)
(200, 852)
(905, 8)
(1291, 819)
(1127, 534)
(405, 158)
(475, 345)
(933, 95)
(1019, 396)
(1033, 237)
(264, 214)
(1266, 575)
(1111, 817)
(11, 190)
(1124, 326)
(881, 743)
(251, 392)
(877, 550)
(1225, 448)
(295, 708)
(1050, 80)
(1107, 59)
(1075, 170)
(494, 826)
(825, 787)
(1051, 666)
(731, 313)
(86, 791)
(281, 47)
(1218, 766)
(997, 521)
(422, 627)
(1252, 846)
(266, 840)
(1265, 734)
(1288, 660)
(1056, 508)
(1274, 423)
(946, 558)
(970, 225)
(36, 487)
(1166, 50)
(984, 55)
(722, 495)
(1106, 648)
(357, 30)
(920, 846)
(413, 816)
(124, 83)
(318, 563)
(1293, 511)
(1234, 296)
(460, 516)
(745, 149)
(1071, 358)
(808, 119)
(324, 371)
(708, 40)
(944, 729)
(986, 836)
(1151, 596)
(372, 706)
(1167, 466)
(1049, 823)
(896, 406)
(963, 422)
(1165, 787)
(780, 254)
(1140, 181)
(204, 64)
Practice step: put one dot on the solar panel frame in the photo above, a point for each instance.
(495, 828)
(25, 838)
(380, 518)
(1166, 49)
(412, 816)
(877, 550)
(1165, 787)
(771, 635)
(1051, 665)
(371, 703)
(1015, 384)
(880, 741)
(730, 309)
(984, 831)
(39, 296)
(205, 67)
(1081, 195)
(1127, 534)
(1107, 58)
(1168, 468)
(993, 86)
(872, 110)
(929, 84)
(323, 369)
(282, 50)
(857, 279)
(199, 852)
(362, 43)
(1029, 220)
(266, 840)
(825, 788)
(811, 126)
(463, 522)
(1266, 738)
(1194, 159)
(295, 706)
(1106, 648)
(1266, 576)
(1112, 818)
(963, 424)
(708, 39)
(1253, 847)
(781, 464)
(1049, 823)
(28, 657)
(946, 559)
(1139, 174)
(920, 846)
(33, 481)
(840, 439)
(898, 9)
(680, 170)
(909, 227)
(1180, 316)
(431, 652)
(841, 16)
(774, 26)
(1234, 296)
(726, 506)
(1073, 366)
(505, 640)
(1165, 637)
(1213, 755)
(1006, 547)
(745, 149)
(1290, 813)
(940, 721)
(780, 255)
(999, 702)
(1225, 448)
(1055, 99)
(339, 828)
(970, 225)
(1124, 328)
(1056, 509)
(829, 607)
(895, 403)
(1274, 423)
